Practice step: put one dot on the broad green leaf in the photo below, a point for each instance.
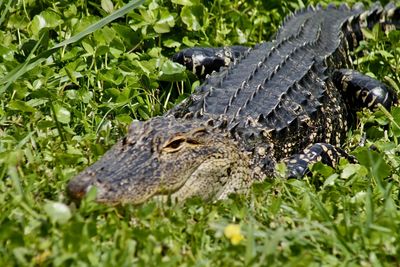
(17, 21)
(143, 114)
(353, 169)
(359, 198)
(6, 53)
(104, 36)
(394, 36)
(20, 105)
(123, 118)
(171, 43)
(71, 94)
(373, 161)
(367, 34)
(330, 180)
(193, 16)
(71, 11)
(165, 23)
(384, 53)
(172, 71)
(188, 42)
(392, 82)
(322, 169)
(145, 67)
(186, 2)
(395, 126)
(102, 50)
(58, 212)
(37, 102)
(147, 16)
(88, 48)
(114, 76)
(126, 34)
(107, 5)
(63, 115)
(46, 19)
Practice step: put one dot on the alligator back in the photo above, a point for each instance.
(282, 90)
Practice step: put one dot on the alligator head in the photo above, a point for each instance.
(166, 156)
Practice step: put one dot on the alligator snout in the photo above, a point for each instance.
(77, 188)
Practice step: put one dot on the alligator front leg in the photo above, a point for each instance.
(204, 60)
(360, 91)
(363, 91)
(297, 165)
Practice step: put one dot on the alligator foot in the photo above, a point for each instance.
(297, 165)
(362, 91)
(204, 60)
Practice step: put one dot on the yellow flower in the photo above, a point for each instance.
(232, 231)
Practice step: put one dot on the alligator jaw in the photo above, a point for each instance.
(105, 193)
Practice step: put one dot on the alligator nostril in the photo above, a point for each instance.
(79, 186)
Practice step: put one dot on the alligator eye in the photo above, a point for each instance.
(174, 145)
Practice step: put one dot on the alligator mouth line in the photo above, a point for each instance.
(162, 193)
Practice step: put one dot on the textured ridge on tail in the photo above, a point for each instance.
(388, 17)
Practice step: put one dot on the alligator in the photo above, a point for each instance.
(288, 100)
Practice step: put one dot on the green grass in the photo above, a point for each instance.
(68, 90)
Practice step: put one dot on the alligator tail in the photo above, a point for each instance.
(388, 17)
(391, 17)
